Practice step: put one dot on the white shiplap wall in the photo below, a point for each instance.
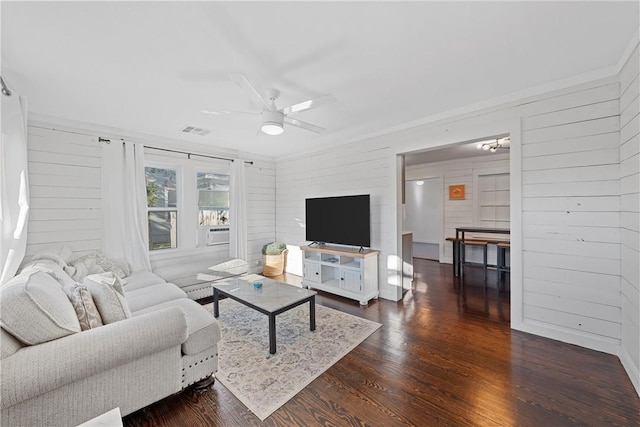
(261, 210)
(65, 185)
(458, 213)
(354, 169)
(565, 202)
(571, 220)
(630, 217)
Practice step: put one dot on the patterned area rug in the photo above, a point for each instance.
(264, 382)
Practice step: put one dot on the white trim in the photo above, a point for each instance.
(515, 201)
(630, 367)
(626, 55)
(605, 345)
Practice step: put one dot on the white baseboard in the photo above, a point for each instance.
(605, 345)
(632, 369)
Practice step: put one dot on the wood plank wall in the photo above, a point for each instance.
(630, 216)
(570, 195)
(571, 219)
(349, 170)
(457, 213)
(261, 210)
(65, 184)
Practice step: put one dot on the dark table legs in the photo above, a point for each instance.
(272, 316)
(272, 333)
(216, 297)
(312, 313)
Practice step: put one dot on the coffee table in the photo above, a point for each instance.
(272, 299)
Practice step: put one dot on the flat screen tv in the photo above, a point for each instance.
(341, 220)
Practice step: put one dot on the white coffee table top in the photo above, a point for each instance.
(272, 297)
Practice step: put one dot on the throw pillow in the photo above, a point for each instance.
(108, 294)
(84, 305)
(35, 309)
(99, 260)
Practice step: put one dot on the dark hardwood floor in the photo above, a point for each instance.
(444, 356)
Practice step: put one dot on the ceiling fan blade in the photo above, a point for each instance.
(244, 83)
(303, 125)
(311, 103)
(224, 112)
(214, 112)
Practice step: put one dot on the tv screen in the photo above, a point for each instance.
(341, 220)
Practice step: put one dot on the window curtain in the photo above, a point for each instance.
(238, 211)
(14, 185)
(126, 232)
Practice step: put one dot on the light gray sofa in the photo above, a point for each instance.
(55, 374)
(183, 272)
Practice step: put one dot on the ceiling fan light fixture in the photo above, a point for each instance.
(272, 122)
(272, 128)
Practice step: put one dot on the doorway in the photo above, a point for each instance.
(423, 216)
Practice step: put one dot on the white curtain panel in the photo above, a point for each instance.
(126, 232)
(14, 185)
(238, 211)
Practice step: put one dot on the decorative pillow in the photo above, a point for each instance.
(84, 305)
(51, 268)
(108, 294)
(35, 309)
(59, 256)
(85, 267)
(95, 259)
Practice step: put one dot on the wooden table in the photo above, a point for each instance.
(460, 236)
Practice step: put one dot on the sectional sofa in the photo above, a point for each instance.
(78, 339)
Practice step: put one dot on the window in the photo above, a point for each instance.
(213, 199)
(162, 207)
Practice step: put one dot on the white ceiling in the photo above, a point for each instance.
(150, 67)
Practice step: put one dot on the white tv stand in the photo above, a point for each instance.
(347, 272)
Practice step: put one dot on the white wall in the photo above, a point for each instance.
(66, 196)
(565, 224)
(354, 169)
(65, 185)
(458, 213)
(423, 210)
(630, 217)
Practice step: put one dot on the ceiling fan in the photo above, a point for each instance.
(273, 119)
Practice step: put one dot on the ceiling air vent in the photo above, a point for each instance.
(195, 131)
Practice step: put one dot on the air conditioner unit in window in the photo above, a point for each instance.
(217, 236)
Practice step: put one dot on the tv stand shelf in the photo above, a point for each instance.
(351, 273)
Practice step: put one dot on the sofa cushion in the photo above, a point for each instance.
(108, 294)
(84, 305)
(184, 271)
(141, 279)
(35, 309)
(8, 344)
(202, 328)
(148, 296)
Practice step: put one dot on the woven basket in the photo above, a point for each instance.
(273, 265)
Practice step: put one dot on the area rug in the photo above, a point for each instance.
(263, 381)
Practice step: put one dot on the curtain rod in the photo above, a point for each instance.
(249, 162)
(5, 89)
